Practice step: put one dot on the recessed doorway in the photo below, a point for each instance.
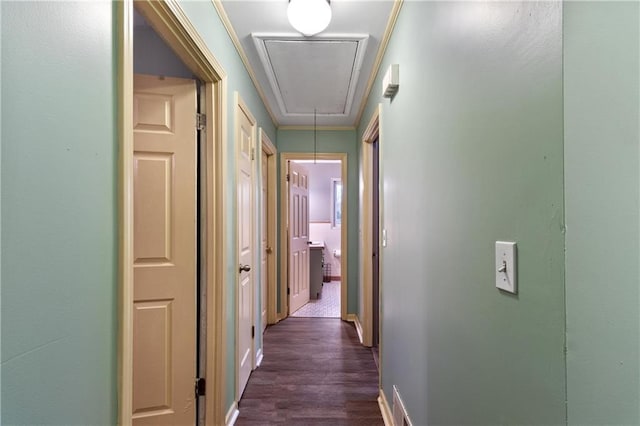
(313, 234)
(325, 239)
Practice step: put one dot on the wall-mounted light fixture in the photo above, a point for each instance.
(309, 16)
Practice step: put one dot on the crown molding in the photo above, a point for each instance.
(243, 56)
(391, 23)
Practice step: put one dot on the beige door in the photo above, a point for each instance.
(245, 248)
(298, 236)
(264, 244)
(164, 319)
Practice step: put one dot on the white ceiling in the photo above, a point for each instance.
(328, 72)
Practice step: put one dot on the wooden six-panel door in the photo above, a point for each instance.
(298, 236)
(245, 147)
(164, 319)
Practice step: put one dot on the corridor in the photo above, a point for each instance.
(315, 372)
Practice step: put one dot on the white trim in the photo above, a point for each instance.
(399, 411)
(385, 410)
(335, 182)
(356, 322)
(260, 40)
(232, 414)
(272, 224)
(366, 222)
(259, 357)
(125, 211)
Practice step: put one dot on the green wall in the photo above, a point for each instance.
(0, 215)
(207, 22)
(602, 113)
(331, 141)
(59, 223)
(472, 152)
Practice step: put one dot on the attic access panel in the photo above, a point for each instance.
(304, 73)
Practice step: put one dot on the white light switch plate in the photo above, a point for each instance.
(506, 256)
(384, 238)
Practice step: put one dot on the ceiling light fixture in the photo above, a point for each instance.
(309, 16)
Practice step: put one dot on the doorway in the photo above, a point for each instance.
(269, 230)
(245, 146)
(333, 250)
(169, 322)
(325, 239)
(139, 311)
(375, 239)
(370, 242)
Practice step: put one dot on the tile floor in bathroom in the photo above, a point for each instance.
(328, 306)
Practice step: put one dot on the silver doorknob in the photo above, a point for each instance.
(244, 268)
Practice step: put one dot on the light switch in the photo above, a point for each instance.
(506, 267)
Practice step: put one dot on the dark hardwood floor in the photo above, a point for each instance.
(315, 372)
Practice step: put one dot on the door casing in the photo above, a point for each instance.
(272, 225)
(168, 19)
(366, 222)
(284, 249)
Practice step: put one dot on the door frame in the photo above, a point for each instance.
(170, 22)
(284, 241)
(241, 107)
(371, 133)
(272, 224)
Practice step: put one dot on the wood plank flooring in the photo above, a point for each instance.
(314, 372)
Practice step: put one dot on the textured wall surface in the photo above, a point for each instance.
(602, 135)
(59, 229)
(472, 153)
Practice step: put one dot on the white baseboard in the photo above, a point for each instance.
(359, 329)
(232, 414)
(400, 415)
(259, 356)
(385, 410)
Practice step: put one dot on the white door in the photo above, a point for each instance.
(164, 318)
(244, 129)
(298, 236)
(264, 244)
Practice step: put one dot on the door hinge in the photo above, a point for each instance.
(253, 331)
(201, 386)
(201, 121)
(253, 154)
(288, 177)
(288, 291)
